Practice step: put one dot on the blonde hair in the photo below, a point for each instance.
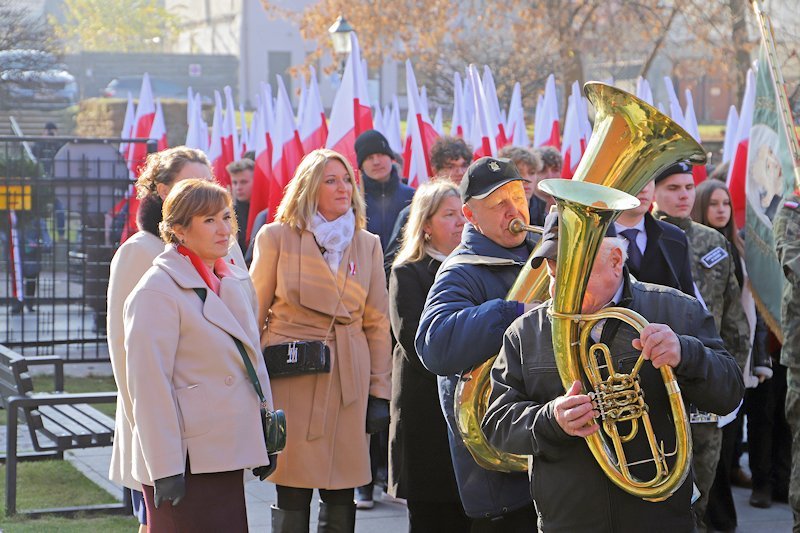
(164, 166)
(301, 197)
(190, 198)
(426, 202)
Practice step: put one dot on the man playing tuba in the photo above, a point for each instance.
(530, 414)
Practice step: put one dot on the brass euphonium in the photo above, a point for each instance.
(631, 142)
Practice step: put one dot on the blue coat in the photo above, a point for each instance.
(462, 325)
(384, 202)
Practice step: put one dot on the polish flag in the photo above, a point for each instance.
(229, 140)
(675, 111)
(420, 135)
(127, 127)
(197, 133)
(571, 151)
(244, 139)
(484, 140)
(15, 256)
(142, 124)
(643, 90)
(548, 132)
(690, 125)
(458, 126)
(377, 120)
(158, 132)
(437, 122)
(517, 131)
(537, 117)
(301, 102)
(737, 172)
(313, 125)
(263, 120)
(391, 121)
(287, 149)
(351, 114)
(496, 123)
(730, 134)
(215, 153)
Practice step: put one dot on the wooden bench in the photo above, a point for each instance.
(56, 422)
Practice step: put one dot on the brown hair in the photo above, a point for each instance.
(301, 197)
(190, 198)
(522, 156)
(551, 158)
(164, 166)
(447, 149)
(700, 212)
(240, 166)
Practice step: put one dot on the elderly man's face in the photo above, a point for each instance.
(492, 215)
(603, 281)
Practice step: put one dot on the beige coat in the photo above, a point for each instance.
(188, 390)
(129, 264)
(327, 444)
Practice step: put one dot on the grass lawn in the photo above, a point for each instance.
(44, 484)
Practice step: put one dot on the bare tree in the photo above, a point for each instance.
(20, 30)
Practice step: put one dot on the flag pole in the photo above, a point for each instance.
(768, 36)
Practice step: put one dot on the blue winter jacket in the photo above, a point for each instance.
(462, 325)
(384, 201)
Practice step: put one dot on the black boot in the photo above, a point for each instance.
(284, 521)
(337, 518)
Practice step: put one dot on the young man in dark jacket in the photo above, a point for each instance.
(384, 193)
(530, 414)
(463, 322)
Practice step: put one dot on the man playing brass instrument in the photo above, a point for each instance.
(529, 412)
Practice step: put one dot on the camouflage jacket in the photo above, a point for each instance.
(786, 228)
(714, 274)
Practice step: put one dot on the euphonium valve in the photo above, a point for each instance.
(585, 212)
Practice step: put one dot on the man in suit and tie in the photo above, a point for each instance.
(658, 252)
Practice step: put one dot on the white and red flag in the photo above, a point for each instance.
(437, 122)
(158, 132)
(351, 114)
(484, 142)
(571, 143)
(391, 120)
(215, 152)
(197, 132)
(142, 124)
(420, 135)
(287, 149)
(313, 124)
(127, 127)
(731, 124)
(737, 172)
(15, 257)
(699, 172)
(517, 131)
(675, 111)
(548, 130)
(244, 136)
(496, 124)
(458, 125)
(263, 119)
(643, 90)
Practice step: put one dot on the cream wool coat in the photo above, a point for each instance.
(327, 444)
(129, 264)
(187, 388)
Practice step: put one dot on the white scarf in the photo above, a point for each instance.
(333, 237)
(434, 253)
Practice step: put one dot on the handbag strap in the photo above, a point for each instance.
(247, 364)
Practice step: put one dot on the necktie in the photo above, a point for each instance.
(634, 254)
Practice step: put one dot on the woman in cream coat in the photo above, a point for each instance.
(319, 274)
(195, 414)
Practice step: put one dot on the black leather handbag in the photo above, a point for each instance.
(273, 423)
(296, 358)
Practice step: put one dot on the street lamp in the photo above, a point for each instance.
(340, 36)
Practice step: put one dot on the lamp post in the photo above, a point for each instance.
(340, 36)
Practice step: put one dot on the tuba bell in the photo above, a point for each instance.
(631, 142)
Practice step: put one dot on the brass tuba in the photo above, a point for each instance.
(631, 142)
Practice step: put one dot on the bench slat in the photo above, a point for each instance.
(59, 424)
(90, 418)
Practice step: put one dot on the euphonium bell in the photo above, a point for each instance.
(585, 212)
(631, 143)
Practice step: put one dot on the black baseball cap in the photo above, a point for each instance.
(681, 167)
(485, 176)
(547, 248)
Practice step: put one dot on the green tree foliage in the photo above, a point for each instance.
(118, 26)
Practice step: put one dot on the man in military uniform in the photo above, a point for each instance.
(715, 279)
(786, 228)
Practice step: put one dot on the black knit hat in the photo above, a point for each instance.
(485, 176)
(371, 142)
(681, 167)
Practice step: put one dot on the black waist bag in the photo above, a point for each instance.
(297, 358)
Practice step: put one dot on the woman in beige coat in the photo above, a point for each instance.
(162, 171)
(319, 276)
(194, 412)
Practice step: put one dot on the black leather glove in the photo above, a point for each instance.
(377, 415)
(263, 472)
(171, 488)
